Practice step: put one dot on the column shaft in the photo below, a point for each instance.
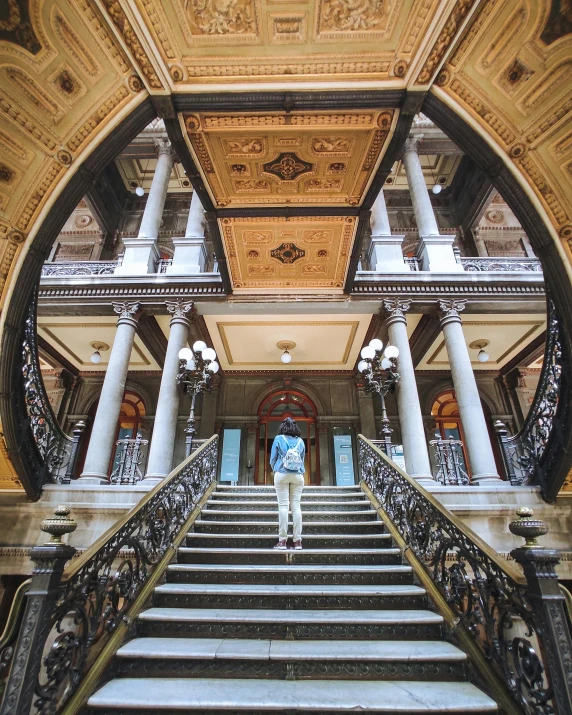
(195, 221)
(165, 427)
(408, 405)
(379, 218)
(477, 440)
(422, 207)
(102, 440)
(157, 194)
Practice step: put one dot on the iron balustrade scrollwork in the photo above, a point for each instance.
(524, 454)
(69, 620)
(129, 461)
(513, 627)
(502, 265)
(163, 264)
(412, 262)
(449, 461)
(57, 449)
(80, 268)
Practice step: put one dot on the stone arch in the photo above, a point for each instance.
(279, 385)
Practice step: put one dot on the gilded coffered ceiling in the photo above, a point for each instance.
(281, 254)
(274, 159)
(72, 71)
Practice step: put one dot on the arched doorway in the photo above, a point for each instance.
(445, 411)
(273, 409)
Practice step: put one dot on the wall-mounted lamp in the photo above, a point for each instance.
(286, 345)
(99, 348)
(480, 345)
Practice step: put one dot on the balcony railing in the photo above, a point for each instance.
(80, 268)
(163, 264)
(503, 265)
(413, 263)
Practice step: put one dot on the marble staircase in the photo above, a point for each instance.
(340, 626)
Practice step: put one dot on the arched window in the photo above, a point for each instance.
(445, 410)
(273, 409)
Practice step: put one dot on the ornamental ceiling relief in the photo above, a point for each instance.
(275, 159)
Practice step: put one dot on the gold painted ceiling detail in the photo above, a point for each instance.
(271, 254)
(322, 158)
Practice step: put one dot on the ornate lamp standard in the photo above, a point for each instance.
(379, 370)
(197, 366)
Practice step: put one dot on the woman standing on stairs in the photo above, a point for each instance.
(287, 462)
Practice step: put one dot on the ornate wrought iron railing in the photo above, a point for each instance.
(75, 620)
(412, 262)
(512, 627)
(79, 268)
(449, 461)
(163, 264)
(503, 265)
(57, 450)
(527, 454)
(128, 466)
(10, 635)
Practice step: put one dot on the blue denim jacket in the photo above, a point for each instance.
(282, 443)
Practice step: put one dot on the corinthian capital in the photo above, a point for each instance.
(395, 308)
(163, 146)
(450, 308)
(412, 142)
(127, 310)
(179, 307)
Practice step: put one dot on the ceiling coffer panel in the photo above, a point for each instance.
(279, 159)
(310, 253)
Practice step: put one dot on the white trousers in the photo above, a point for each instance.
(289, 488)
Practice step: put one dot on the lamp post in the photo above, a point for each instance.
(197, 366)
(378, 368)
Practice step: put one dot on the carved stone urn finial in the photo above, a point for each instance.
(58, 525)
(527, 527)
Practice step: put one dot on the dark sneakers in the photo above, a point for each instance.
(281, 545)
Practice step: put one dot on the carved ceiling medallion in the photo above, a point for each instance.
(287, 253)
(287, 166)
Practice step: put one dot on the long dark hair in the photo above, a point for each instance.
(289, 427)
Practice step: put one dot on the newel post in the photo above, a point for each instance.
(538, 564)
(49, 562)
(502, 434)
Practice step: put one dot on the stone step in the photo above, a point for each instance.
(208, 514)
(272, 505)
(292, 573)
(366, 541)
(270, 527)
(179, 695)
(306, 496)
(303, 624)
(206, 555)
(234, 657)
(270, 488)
(292, 596)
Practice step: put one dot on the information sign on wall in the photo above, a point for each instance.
(344, 459)
(397, 455)
(230, 455)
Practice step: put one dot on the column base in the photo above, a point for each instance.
(424, 479)
(140, 258)
(190, 256)
(488, 480)
(386, 256)
(93, 479)
(150, 480)
(435, 253)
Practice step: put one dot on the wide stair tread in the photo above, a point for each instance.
(338, 627)
(298, 695)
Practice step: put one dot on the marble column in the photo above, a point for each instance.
(385, 253)
(415, 450)
(190, 251)
(435, 252)
(102, 440)
(477, 440)
(141, 253)
(160, 459)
